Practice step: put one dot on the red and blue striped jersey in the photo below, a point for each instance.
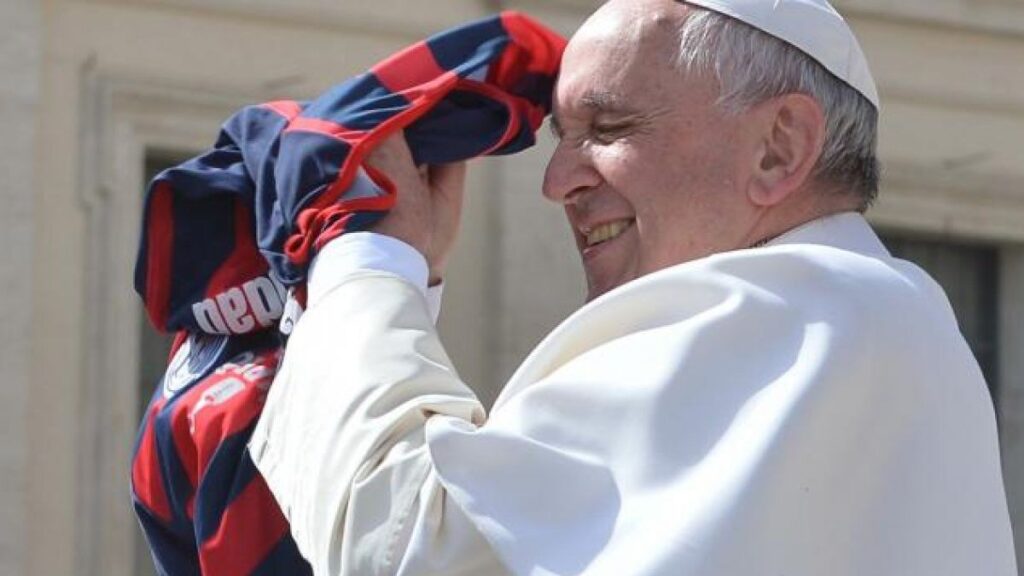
(285, 177)
(226, 232)
(202, 504)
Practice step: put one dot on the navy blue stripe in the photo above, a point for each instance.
(361, 103)
(486, 37)
(157, 393)
(284, 558)
(464, 125)
(538, 89)
(173, 475)
(524, 139)
(363, 220)
(204, 226)
(173, 552)
(308, 164)
(228, 473)
(255, 131)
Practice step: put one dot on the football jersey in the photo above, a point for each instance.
(228, 236)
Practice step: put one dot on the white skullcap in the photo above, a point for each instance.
(814, 27)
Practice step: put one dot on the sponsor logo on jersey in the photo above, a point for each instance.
(216, 395)
(250, 368)
(196, 357)
(256, 304)
(232, 378)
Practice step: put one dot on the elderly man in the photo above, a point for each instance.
(755, 386)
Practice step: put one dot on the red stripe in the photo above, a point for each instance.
(160, 251)
(197, 441)
(308, 224)
(300, 293)
(147, 482)
(415, 74)
(534, 49)
(409, 68)
(215, 422)
(179, 340)
(332, 230)
(249, 529)
(325, 127)
(380, 179)
(245, 262)
(287, 108)
(328, 223)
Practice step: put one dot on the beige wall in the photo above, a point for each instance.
(103, 80)
(20, 40)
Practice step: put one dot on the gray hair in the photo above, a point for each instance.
(752, 67)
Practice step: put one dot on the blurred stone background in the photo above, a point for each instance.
(98, 95)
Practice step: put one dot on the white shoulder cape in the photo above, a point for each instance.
(804, 409)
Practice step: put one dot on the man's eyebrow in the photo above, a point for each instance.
(604, 102)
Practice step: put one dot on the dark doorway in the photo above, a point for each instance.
(969, 273)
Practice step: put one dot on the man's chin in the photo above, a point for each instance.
(604, 279)
(597, 287)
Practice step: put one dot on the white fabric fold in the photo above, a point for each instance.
(357, 252)
(805, 408)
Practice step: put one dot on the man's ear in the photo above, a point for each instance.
(789, 146)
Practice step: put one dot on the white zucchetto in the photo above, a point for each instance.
(814, 27)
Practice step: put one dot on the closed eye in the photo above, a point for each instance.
(608, 133)
(556, 128)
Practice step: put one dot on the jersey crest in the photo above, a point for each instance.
(196, 356)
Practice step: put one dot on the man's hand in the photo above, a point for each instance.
(429, 204)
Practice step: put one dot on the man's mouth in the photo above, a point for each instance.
(606, 232)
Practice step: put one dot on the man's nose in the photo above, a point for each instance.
(569, 173)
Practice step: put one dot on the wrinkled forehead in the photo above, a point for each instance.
(624, 27)
(627, 45)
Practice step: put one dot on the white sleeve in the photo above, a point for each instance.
(341, 441)
(360, 251)
(657, 431)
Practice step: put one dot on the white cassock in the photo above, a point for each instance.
(808, 408)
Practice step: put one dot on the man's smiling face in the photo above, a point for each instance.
(650, 172)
